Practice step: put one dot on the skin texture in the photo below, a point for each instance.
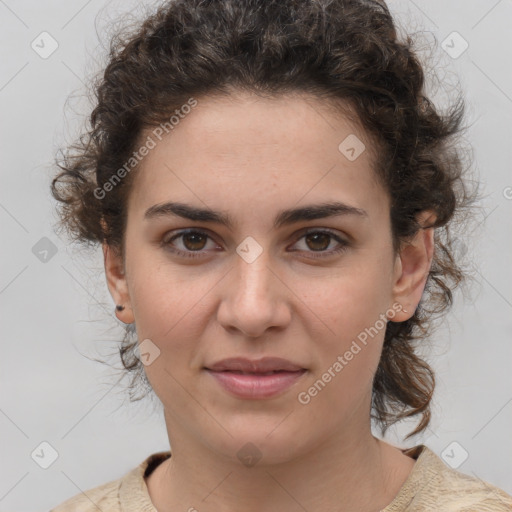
(251, 157)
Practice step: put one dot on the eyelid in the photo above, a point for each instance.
(333, 232)
(344, 242)
(177, 233)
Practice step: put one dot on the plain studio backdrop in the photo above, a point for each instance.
(66, 422)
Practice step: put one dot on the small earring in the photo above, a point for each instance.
(119, 307)
(405, 311)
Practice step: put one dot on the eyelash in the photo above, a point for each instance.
(166, 243)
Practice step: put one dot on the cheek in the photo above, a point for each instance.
(167, 311)
(169, 308)
(347, 327)
(347, 360)
(345, 302)
(163, 295)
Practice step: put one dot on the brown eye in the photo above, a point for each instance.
(194, 241)
(318, 241)
(191, 243)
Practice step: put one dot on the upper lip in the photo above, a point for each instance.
(266, 364)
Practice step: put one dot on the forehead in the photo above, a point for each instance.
(257, 151)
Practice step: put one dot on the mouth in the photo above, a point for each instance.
(265, 365)
(256, 385)
(259, 374)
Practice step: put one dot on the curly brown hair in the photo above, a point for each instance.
(345, 52)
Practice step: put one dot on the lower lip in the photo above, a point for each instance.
(253, 386)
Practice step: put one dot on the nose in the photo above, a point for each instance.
(254, 298)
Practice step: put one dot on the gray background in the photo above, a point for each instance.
(55, 312)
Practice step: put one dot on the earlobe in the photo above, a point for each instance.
(117, 283)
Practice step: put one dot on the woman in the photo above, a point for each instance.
(273, 191)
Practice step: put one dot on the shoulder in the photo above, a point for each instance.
(433, 485)
(103, 497)
(126, 493)
(463, 493)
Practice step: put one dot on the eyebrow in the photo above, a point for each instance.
(284, 217)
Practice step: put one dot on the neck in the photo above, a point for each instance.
(363, 474)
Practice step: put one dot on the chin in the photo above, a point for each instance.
(257, 443)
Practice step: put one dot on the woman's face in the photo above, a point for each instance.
(258, 288)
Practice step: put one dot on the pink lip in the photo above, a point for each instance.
(254, 385)
(265, 364)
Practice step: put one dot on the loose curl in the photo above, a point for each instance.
(345, 52)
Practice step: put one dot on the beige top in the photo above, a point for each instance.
(431, 486)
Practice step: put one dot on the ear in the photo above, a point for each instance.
(412, 267)
(116, 281)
